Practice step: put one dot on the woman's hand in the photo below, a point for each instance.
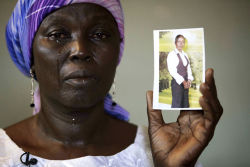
(180, 143)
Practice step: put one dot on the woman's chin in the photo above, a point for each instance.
(81, 101)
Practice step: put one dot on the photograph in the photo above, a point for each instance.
(119, 83)
(179, 68)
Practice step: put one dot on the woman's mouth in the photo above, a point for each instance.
(79, 78)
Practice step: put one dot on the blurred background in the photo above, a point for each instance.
(226, 25)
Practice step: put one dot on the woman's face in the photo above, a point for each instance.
(76, 50)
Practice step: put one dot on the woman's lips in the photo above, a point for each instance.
(79, 82)
(79, 78)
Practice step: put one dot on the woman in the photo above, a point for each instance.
(72, 49)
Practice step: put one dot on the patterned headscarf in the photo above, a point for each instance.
(25, 21)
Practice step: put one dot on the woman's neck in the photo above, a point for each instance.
(76, 127)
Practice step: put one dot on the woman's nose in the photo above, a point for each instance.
(80, 51)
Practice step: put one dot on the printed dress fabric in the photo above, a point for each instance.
(137, 154)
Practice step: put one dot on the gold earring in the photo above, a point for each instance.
(32, 104)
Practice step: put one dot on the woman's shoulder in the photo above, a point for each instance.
(136, 154)
(140, 151)
(9, 151)
(18, 133)
(142, 137)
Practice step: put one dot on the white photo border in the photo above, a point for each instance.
(156, 104)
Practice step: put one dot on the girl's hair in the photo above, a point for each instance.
(179, 36)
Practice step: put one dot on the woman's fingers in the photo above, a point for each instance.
(209, 80)
(155, 118)
(209, 102)
(208, 112)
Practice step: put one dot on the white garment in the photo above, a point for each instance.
(173, 62)
(137, 154)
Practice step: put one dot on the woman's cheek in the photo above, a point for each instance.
(108, 55)
(46, 65)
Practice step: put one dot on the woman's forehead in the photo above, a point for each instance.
(80, 11)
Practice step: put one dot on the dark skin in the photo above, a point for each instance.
(180, 143)
(75, 52)
(75, 56)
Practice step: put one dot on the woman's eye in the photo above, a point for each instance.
(100, 36)
(58, 36)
